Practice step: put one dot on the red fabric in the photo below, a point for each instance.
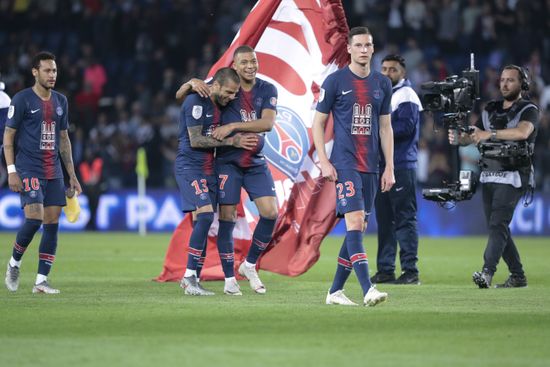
(91, 172)
(176, 256)
(306, 201)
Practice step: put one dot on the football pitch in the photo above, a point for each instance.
(110, 313)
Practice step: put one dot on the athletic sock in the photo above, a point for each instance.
(260, 239)
(200, 264)
(48, 247)
(202, 259)
(40, 278)
(358, 258)
(225, 247)
(198, 239)
(24, 237)
(343, 269)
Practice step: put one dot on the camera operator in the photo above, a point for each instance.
(506, 177)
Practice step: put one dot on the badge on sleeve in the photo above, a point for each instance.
(273, 101)
(197, 112)
(59, 111)
(321, 95)
(11, 111)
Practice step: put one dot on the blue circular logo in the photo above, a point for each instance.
(287, 143)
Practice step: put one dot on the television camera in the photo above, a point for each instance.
(454, 98)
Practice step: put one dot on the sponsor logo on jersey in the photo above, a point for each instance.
(287, 142)
(247, 116)
(361, 123)
(47, 135)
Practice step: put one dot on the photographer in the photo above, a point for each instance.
(505, 137)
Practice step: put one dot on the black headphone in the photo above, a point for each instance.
(524, 77)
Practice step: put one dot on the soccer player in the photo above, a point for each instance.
(396, 209)
(359, 99)
(253, 111)
(36, 136)
(194, 166)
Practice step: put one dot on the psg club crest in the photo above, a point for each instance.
(287, 143)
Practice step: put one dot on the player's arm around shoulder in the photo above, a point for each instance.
(193, 85)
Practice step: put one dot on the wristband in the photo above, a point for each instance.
(493, 134)
(11, 168)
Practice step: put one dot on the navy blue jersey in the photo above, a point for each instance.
(356, 104)
(196, 111)
(38, 124)
(248, 106)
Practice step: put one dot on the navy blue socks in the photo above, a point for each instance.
(225, 247)
(24, 237)
(260, 239)
(48, 246)
(343, 269)
(358, 258)
(198, 238)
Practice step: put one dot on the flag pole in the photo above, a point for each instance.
(142, 171)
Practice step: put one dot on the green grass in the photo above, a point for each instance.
(110, 313)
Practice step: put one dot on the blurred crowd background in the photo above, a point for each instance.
(121, 61)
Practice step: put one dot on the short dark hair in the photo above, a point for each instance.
(357, 31)
(43, 55)
(522, 74)
(397, 58)
(242, 50)
(224, 74)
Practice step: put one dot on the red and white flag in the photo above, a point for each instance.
(298, 44)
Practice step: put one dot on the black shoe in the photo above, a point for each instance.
(514, 281)
(482, 278)
(407, 277)
(382, 278)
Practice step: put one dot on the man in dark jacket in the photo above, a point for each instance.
(396, 209)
